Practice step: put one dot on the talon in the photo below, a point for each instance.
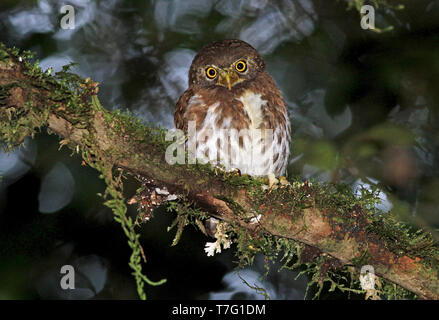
(272, 181)
(284, 181)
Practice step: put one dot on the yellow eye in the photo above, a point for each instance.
(241, 66)
(211, 72)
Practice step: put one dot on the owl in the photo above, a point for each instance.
(233, 113)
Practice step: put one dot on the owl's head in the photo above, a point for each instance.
(225, 63)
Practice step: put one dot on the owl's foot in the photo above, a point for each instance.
(274, 183)
(221, 169)
(284, 182)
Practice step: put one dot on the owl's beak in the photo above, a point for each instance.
(227, 78)
(229, 86)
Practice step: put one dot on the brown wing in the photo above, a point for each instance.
(180, 109)
(190, 107)
(276, 117)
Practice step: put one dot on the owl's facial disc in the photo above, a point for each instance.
(228, 78)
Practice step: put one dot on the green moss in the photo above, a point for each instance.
(73, 94)
(187, 214)
(403, 239)
(342, 208)
(335, 201)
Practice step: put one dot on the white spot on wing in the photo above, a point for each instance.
(194, 100)
(253, 104)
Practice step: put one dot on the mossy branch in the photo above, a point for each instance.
(324, 227)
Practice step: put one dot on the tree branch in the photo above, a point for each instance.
(325, 217)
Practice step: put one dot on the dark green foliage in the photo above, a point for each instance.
(74, 92)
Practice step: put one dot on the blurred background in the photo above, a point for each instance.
(363, 105)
